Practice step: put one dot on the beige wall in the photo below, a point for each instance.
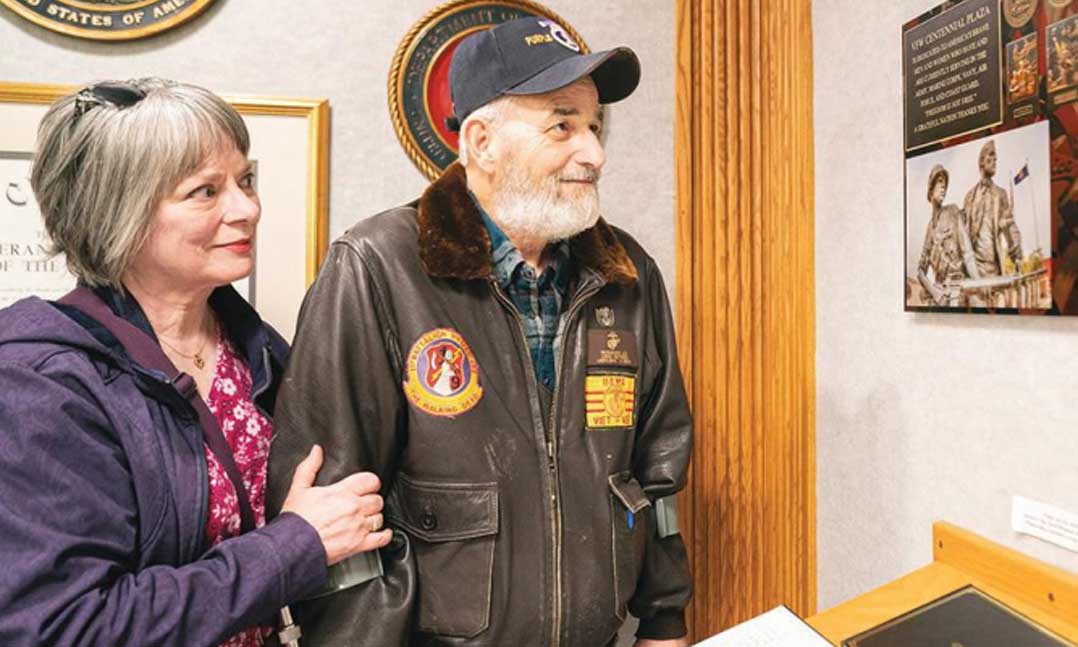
(920, 416)
(341, 50)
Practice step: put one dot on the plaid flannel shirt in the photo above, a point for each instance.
(538, 299)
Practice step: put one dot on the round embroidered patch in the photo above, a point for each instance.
(443, 377)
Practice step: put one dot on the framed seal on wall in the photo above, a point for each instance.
(419, 100)
(108, 19)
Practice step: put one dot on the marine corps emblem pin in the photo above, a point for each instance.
(604, 316)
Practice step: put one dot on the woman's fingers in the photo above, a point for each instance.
(359, 484)
(347, 514)
(376, 540)
(307, 470)
(369, 504)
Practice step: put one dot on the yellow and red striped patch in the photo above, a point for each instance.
(609, 400)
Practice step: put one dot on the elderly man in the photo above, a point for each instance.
(505, 361)
(990, 219)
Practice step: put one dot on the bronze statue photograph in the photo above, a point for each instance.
(983, 249)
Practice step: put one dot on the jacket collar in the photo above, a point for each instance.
(454, 243)
(263, 351)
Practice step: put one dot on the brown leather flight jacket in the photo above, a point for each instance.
(515, 524)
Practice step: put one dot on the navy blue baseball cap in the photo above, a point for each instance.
(532, 55)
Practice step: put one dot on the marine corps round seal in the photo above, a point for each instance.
(108, 19)
(1018, 12)
(443, 377)
(419, 99)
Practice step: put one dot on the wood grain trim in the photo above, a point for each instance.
(1047, 588)
(684, 108)
(745, 303)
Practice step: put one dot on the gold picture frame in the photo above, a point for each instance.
(289, 143)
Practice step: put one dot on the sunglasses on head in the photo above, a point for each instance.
(113, 94)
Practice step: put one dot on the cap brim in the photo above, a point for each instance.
(616, 73)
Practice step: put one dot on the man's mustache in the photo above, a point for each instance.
(585, 175)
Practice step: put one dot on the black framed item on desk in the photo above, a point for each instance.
(966, 617)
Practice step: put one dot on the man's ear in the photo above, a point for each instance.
(478, 137)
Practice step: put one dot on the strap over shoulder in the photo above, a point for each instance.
(145, 352)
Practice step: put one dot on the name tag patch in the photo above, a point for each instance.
(612, 348)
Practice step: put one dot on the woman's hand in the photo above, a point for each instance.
(346, 514)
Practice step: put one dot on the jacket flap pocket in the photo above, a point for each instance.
(438, 511)
(628, 491)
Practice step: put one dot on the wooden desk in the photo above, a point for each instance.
(1046, 594)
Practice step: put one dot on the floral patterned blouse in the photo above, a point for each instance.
(248, 433)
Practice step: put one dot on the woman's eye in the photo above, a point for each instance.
(561, 127)
(204, 191)
(248, 181)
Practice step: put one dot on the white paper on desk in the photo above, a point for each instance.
(779, 627)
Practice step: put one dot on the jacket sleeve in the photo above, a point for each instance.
(660, 460)
(342, 391)
(70, 540)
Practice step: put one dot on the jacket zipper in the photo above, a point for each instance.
(551, 439)
(577, 303)
(202, 505)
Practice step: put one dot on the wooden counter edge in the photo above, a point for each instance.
(961, 558)
(1043, 586)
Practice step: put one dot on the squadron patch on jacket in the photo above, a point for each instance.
(443, 377)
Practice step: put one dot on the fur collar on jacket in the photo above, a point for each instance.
(453, 242)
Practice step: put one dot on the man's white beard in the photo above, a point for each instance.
(529, 210)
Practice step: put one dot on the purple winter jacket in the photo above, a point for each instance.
(103, 493)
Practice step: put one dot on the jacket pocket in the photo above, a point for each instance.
(629, 528)
(453, 526)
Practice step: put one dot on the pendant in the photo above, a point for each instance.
(199, 362)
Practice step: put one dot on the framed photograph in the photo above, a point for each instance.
(1061, 54)
(991, 205)
(1022, 76)
(946, 232)
(289, 145)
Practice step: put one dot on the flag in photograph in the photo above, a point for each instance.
(1022, 173)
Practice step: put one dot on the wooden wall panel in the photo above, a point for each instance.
(745, 299)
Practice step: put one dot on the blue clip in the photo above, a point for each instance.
(630, 519)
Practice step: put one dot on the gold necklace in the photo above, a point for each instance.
(197, 357)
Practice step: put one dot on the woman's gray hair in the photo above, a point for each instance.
(108, 154)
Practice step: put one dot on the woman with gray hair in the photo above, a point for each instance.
(135, 413)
